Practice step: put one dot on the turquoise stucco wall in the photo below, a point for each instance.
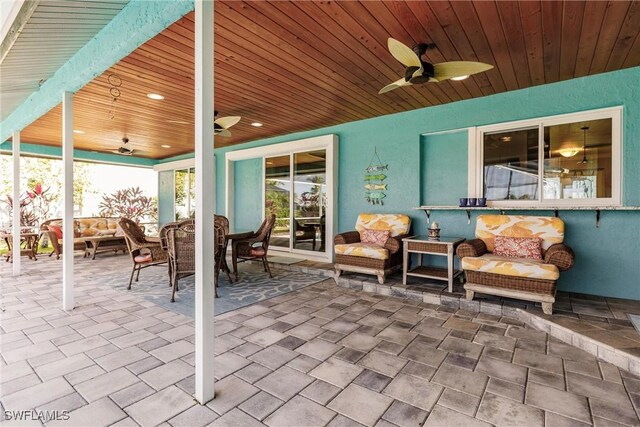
(439, 155)
(247, 195)
(607, 261)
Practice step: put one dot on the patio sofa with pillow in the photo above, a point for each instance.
(516, 256)
(89, 234)
(375, 247)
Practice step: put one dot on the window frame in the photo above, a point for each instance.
(476, 158)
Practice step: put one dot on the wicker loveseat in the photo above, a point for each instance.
(521, 278)
(368, 258)
(85, 229)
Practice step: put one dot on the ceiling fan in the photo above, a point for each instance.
(124, 149)
(418, 71)
(221, 125)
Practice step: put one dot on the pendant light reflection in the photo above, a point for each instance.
(584, 146)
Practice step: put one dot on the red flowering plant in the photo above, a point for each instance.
(34, 206)
(129, 203)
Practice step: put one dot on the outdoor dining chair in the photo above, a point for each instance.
(221, 231)
(253, 245)
(144, 252)
(181, 243)
(164, 243)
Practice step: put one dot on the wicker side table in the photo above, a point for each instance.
(445, 246)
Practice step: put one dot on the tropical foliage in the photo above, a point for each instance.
(35, 205)
(129, 203)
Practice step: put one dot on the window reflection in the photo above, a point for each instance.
(511, 165)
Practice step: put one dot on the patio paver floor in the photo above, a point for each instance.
(331, 356)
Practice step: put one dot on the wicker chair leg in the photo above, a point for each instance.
(266, 266)
(381, 279)
(470, 295)
(547, 308)
(234, 260)
(175, 288)
(138, 275)
(131, 278)
(338, 272)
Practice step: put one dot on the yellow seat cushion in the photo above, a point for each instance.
(517, 267)
(365, 250)
(397, 224)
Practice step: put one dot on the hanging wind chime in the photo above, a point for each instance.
(373, 177)
(115, 81)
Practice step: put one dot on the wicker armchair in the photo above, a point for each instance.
(519, 278)
(181, 243)
(253, 245)
(352, 255)
(144, 252)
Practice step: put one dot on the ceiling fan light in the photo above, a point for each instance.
(569, 152)
(459, 78)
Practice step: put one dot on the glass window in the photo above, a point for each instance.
(565, 160)
(579, 163)
(185, 193)
(277, 189)
(511, 165)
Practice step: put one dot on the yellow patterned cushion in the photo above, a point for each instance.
(549, 229)
(397, 224)
(365, 250)
(530, 268)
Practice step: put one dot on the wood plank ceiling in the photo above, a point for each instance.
(297, 66)
(53, 33)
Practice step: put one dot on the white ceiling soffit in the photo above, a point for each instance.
(42, 38)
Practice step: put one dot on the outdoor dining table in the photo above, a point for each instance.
(29, 240)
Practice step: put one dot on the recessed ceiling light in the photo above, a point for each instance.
(256, 124)
(165, 146)
(459, 78)
(78, 131)
(155, 96)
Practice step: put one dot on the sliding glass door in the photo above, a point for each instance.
(309, 201)
(295, 190)
(277, 182)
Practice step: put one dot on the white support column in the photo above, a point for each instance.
(67, 200)
(205, 196)
(15, 150)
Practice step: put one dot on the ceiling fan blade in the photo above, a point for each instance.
(227, 122)
(394, 85)
(403, 53)
(224, 132)
(449, 70)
